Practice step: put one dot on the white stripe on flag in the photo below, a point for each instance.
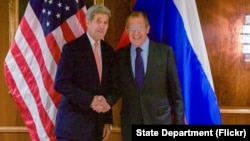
(37, 29)
(190, 17)
(48, 61)
(60, 41)
(23, 88)
(73, 24)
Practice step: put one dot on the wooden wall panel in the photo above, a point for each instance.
(14, 134)
(235, 115)
(10, 115)
(221, 22)
(14, 137)
(120, 10)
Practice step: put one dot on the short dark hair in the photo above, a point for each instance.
(137, 14)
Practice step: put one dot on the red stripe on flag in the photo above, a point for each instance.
(67, 32)
(30, 79)
(82, 19)
(33, 87)
(35, 47)
(23, 108)
(53, 47)
(33, 43)
(43, 57)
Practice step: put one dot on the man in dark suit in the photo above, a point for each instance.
(155, 98)
(83, 82)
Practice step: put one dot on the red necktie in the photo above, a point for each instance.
(97, 59)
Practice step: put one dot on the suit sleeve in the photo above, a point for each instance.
(175, 90)
(64, 80)
(115, 92)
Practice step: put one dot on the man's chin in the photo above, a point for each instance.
(101, 37)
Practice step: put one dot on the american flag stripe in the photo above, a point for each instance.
(67, 33)
(72, 24)
(54, 47)
(30, 68)
(34, 45)
(75, 21)
(81, 17)
(34, 83)
(22, 77)
(24, 109)
(59, 41)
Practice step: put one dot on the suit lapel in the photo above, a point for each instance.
(104, 62)
(126, 66)
(90, 56)
(152, 62)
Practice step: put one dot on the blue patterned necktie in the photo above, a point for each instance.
(139, 69)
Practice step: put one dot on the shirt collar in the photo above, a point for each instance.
(92, 41)
(144, 46)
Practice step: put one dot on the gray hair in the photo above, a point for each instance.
(96, 9)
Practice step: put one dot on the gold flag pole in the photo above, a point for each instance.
(99, 2)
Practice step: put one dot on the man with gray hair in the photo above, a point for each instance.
(83, 80)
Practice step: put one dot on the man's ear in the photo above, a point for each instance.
(87, 22)
(148, 29)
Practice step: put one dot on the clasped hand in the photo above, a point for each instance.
(99, 104)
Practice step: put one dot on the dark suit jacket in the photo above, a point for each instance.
(161, 89)
(77, 80)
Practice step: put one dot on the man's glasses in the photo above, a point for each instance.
(138, 28)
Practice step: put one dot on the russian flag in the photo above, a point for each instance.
(176, 23)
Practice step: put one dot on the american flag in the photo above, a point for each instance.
(31, 62)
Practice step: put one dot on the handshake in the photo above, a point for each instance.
(99, 104)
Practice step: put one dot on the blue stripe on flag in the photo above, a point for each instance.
(168, 26)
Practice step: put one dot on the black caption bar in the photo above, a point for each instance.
(175, 132)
